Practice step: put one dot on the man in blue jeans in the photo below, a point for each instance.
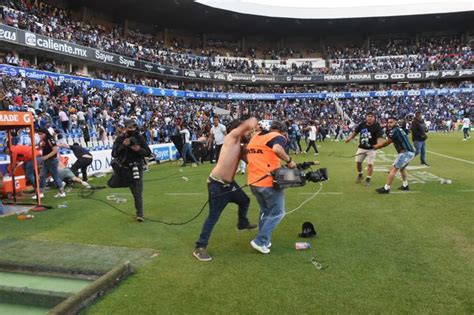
(418, 135)
(264, 152)
(223, 189)
(187, 147)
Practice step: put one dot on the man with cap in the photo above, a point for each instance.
(129, 150)
(264, 152)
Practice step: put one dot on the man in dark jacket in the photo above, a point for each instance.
(129, 151)
(83, 156)
(418, 135)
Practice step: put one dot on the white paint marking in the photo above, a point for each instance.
(451, 157)
(466, 190)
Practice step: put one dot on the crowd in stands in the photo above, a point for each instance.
(429, 54)
(444, 53)
(92, 113)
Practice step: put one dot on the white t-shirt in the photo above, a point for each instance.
(312, 133)
(466, 123)
(187, 135)
(63, 116)
(219, 133)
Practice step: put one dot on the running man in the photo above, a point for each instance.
(466, 126)
(370, 134)
(405, 151)
(223, 189)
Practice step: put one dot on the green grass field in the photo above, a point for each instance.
(398, 253)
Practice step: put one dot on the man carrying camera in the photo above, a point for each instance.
(129, 151)
(264, 152)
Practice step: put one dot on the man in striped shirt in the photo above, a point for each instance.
(406, 153)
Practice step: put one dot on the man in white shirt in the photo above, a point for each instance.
(218, 132)
(312, 138)
(466, 126)
(64, 120)
(187, 148)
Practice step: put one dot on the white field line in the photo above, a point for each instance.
(451, 157)
(466, 190)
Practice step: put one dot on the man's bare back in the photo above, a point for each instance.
(231, 151)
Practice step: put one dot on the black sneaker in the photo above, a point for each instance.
(140, 219)
(359, 179)
(382, 190)
(201, 254)
(249, 226)
(407, 188)
(425, 164)
(367, 182)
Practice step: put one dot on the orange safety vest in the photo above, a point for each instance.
(262, 160)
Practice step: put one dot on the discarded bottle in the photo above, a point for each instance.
(23, 217)
(302, 245)
(62, 206)
(446, 181)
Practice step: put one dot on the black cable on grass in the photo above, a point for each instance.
(88, 192)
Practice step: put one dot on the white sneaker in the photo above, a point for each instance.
(262, 249)
(86, 184)
(269, 245)
(60, 195)
(34, 197)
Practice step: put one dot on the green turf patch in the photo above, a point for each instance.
(397, 253)
(16, 309)
(67, 258)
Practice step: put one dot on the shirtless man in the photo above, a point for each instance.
(223, 189)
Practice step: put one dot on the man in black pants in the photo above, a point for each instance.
(129, 151)
(312, 138)
(223, 189)
(84, 159)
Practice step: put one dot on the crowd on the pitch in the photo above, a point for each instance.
(443, 53)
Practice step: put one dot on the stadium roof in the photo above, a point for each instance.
(191, 15)
(336, 9)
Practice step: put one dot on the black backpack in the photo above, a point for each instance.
(307, 230)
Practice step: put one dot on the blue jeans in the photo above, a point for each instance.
(403, 159)
(50, 166)
(2, 209)
(293, 144)
(272, 211)
(420, 148)
(30, 170)
(466, 132)
(188, 149)
(219, 196)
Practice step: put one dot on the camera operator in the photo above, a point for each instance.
(264, 152)
(129, 150)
